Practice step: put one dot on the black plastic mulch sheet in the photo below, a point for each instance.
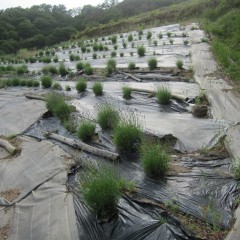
(134, 221)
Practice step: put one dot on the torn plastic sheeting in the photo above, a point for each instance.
(46, 213)
(192, 133)
(18, 113)
(3, 153)
(133, 221)
(38, 162)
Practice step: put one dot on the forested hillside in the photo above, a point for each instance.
(44, 25)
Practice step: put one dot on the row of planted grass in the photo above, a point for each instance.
(18, 82)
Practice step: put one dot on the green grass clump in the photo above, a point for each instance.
(130, 38)
(155, 160)
(152, 63)
(29, 83)
(101, 192)
(46, 82)
(22, 69)
(62, 70)
(131, 66)
(113, 54)
(94, 56)
(56, 86)
(114, 39)
(127, 91)
(179, 64)
(52, 69)
(127, 136)
(15, 82)
(86, 131)
(87, 68)
(169, 34)
(36, 83)
(23, 83)
(56, 104)
(111, 66)
(107, 117)
(79, 66)
(67, 88)
(163, 95)
(97, 88)
(141, 51)
(160, 35)
(81, 85)
(149, 35)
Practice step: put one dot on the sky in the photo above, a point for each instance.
(28, 3)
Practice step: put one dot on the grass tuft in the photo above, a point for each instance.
(141, 51)
(163, 95)
(179, 64)
(107, 117)
(97, 88)
(81, 85)
(46, 82)
(86, 131)
(127, 91)
(152, 63)
(155, 160)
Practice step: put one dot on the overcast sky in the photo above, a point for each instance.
(28, 3)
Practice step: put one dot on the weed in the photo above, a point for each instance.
(172, 205)
(152, 63)
(179, 64)
(155, 160)
(86, 131)
(127, 91)
(131, 66)
(141, 51)
(97, 88)
(46, 82)
(163, 94)
(81, 85)
(107, 117)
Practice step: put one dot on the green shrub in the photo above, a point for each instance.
(114, 39)
(179, 64)
(46, 82)
(149, 35)
(163, 94)
(152, 63)
(23, 83)
(62, 70)
(121, 54)
(81, 85)
(87, 68)
(56, 104)
(29, 83)
(97, 88)
(115, 47)
(127, 136)
(127, 91)
(107, 117)
(155, 160)
(22, 69)
(36, 83)
(130, 38)
(111, 66)
(52, 69)
(131, 66)
(46, 59)
(113, 54)
(56, 86)
(15, 82)
(124, 45)
(86, 131)
(101, 192)
(79, 66)
(141, 51)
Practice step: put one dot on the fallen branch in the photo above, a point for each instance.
(173, 96)
(81, 145)
(8, 146)
(130, 75)
(36, 97)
